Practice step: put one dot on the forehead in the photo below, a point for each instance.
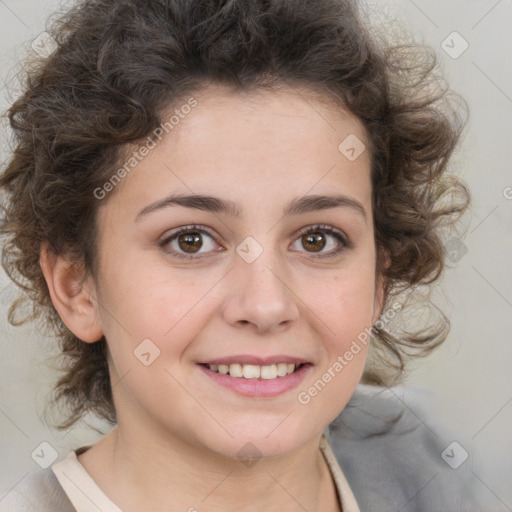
(266, 122)
(253, 147)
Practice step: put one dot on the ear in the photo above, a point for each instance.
(75, 304)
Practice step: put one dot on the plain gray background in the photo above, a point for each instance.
(469, 377)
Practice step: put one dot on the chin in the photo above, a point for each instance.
(267, 440)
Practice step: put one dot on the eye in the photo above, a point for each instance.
(316, 238)
(187, 241)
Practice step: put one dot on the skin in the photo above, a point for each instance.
(178, 433)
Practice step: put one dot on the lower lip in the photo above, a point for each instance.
(259, 387)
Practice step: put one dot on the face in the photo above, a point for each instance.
(188, 290)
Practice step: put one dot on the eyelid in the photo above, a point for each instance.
(327, 229)
(185, 229)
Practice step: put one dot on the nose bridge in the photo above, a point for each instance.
(259, 293)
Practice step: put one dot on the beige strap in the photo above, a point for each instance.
(81, 489)
(348, 500)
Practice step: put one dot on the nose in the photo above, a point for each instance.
(260, 295)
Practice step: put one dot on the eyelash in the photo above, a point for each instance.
(345, 243)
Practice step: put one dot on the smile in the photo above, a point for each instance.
(257, 381)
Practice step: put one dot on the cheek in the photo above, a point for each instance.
(153, 303)
(149, 323)
(345, 308)
(344, 302)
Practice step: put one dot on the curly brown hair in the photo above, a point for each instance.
(118, 66)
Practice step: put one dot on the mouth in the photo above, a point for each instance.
(254, 371)
(267, 380)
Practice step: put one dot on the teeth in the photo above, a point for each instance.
(236, 370)
(250, 371)
(254, 371)
(269, 372)
(282, 369)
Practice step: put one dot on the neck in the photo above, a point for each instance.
(142, 472)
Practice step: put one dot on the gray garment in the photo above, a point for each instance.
(39, 491)
(390, 468)
(398, 467)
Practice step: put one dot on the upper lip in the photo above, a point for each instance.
(256, 360)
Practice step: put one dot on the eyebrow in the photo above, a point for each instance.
(297, 206)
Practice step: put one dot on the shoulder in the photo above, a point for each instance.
(395, 458)
(38, 491)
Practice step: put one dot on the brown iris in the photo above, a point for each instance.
(188, 241)
(315, 241)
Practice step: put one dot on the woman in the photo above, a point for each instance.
(216, 205)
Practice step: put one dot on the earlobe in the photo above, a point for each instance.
(70, 295)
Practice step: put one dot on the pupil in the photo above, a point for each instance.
(189, 240)
(312, 239)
